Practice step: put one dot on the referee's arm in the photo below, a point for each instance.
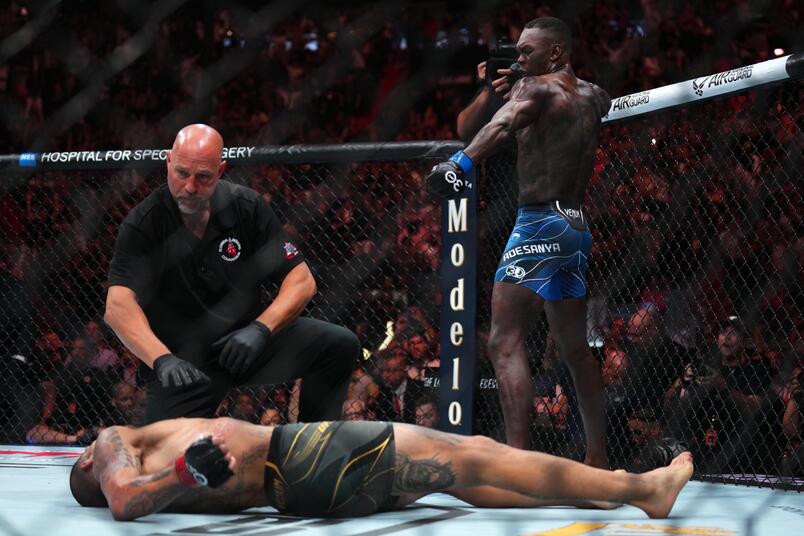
(127, 319)
(297, 289)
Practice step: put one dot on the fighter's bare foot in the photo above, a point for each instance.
(667, 483)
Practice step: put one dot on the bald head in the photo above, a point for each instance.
(643, 327)
(199, 138)
(194, 167)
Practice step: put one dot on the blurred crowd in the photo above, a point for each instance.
(695, 277)
(100, 77)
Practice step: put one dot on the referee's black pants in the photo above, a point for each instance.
(323, 355)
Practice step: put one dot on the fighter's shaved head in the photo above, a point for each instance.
(556, 28)
(83, 485)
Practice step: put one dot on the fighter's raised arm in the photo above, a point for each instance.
(528, 99)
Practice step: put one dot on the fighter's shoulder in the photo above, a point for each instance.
(532, 87)
(111, 441)
(112, 434)
(599, 93)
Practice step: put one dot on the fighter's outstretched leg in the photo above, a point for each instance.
(489, 497)
(429, 461)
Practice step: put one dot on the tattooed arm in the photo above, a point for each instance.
(130, 493)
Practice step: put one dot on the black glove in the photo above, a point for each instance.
(203, 464)
(242, 347)
(175, 372)
(447, 179)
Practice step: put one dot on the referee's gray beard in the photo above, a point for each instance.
(192, 208)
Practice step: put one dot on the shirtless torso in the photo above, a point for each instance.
(153, 448)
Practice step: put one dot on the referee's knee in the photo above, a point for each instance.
(346, 344)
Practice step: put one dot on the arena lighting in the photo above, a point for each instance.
(653, 141)
(778, 51)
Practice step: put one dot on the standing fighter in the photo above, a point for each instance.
(185, 294)
(556, 119)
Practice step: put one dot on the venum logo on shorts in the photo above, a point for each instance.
(230, 249)
(700, 84)
(515, 271)
(290, 250)
(630, 101)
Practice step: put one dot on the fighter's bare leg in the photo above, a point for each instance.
(514, 311)
(490, 497)
(567, 320)
(429, 461)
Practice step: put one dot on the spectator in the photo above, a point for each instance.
(551, 409)
(622, 400)
(792, 462)
(654, 360)
(79, 353)
(124, 408)
(644, 428)
(426, 411)
(245, 408)
(362, 385)
(21, 390)
(16, 295)
(746, 372)
(73, 405)
(102, 355)
(422, 355)
(354, 410)
(271, 417)
(614, 368)
(396, 401)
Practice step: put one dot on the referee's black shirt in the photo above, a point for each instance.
(194, 291)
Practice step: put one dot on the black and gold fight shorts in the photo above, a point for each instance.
(331, 469)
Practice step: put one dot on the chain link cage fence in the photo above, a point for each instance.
(367, 229)
(694, 302)
(695, 291)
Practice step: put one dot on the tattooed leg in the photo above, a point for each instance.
(421, 476)
(436, 461)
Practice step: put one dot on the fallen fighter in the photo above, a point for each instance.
(341, 469)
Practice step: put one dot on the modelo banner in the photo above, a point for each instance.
(458, 308)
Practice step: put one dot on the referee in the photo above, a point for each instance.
(184, 294)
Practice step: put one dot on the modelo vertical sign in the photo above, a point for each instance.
(458, 308)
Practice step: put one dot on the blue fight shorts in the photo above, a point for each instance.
(547, 251)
